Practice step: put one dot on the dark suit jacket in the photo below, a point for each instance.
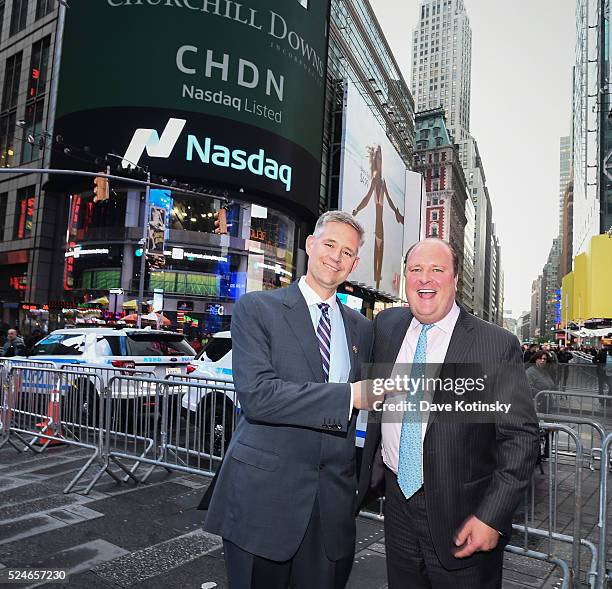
(295, 441)
(477, 469)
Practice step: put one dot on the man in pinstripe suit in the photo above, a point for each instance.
(448, 530)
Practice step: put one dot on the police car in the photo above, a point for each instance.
(209, 405)
(215, 362)
(161, 352)
(101, 352)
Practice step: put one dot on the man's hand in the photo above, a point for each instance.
(475, 536)
(363, 395)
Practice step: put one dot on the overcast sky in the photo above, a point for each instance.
(522, 55)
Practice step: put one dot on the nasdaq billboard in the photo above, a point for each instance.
(198, 90)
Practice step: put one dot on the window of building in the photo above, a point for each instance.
(1, 16)
(8, 109)
(18, 16)
(44, 7)
(24, 212)
(35, 104)
(433, 230)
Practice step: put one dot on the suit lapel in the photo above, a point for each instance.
(298, 317)
(461, 340)
(396, 336)
(460, 344)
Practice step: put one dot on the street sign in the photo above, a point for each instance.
(115, 291)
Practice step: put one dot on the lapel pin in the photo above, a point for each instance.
(355, 350)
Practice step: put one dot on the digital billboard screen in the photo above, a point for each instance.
(198, 90)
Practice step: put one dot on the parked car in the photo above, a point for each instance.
(100, 353)
(213, 409)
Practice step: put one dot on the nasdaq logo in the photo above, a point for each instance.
(155, 146)
(258, 163)
(238, 159)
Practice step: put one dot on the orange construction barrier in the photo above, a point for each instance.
(51, 425)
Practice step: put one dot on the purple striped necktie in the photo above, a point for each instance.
(324, 337)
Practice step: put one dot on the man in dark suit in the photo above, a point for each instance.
(451, 495)
(285, 495)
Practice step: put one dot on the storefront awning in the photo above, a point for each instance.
(99, 301)
(602, 332)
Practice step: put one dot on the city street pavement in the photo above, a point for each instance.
(149, 536)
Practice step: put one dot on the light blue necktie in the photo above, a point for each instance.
(409, 469)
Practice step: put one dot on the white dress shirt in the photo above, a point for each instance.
(438, 339)
(339, 357)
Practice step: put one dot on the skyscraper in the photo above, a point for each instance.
(565, 165)
(441, 76)
(442, 61)
(591, 125)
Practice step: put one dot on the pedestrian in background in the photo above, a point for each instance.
(599, 359)
(540, 379)
(552, 363)
(13, 346)
(564, 357)
(533, 348)
(36, 335)
(608, 370)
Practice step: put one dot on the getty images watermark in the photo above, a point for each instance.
(389, 389)
(470, 393)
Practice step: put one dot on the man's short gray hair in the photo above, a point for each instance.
(339, 217)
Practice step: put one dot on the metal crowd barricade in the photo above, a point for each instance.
(589, 412)
(556, 539)
(199, 428)
(8, 394)
(6, 407)
(603, 568)
(211, 405)
(590, 432)
(47, 410)
(532, 535)
(577, 376)
(149, 421)
(126, 417)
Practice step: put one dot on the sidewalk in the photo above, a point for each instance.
(149, 536)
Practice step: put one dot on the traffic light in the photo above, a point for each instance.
(220, 217)
(101, 189)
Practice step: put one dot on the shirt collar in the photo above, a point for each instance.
(312, 298)
(446, 324)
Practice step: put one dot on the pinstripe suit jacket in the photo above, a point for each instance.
(477, 469)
